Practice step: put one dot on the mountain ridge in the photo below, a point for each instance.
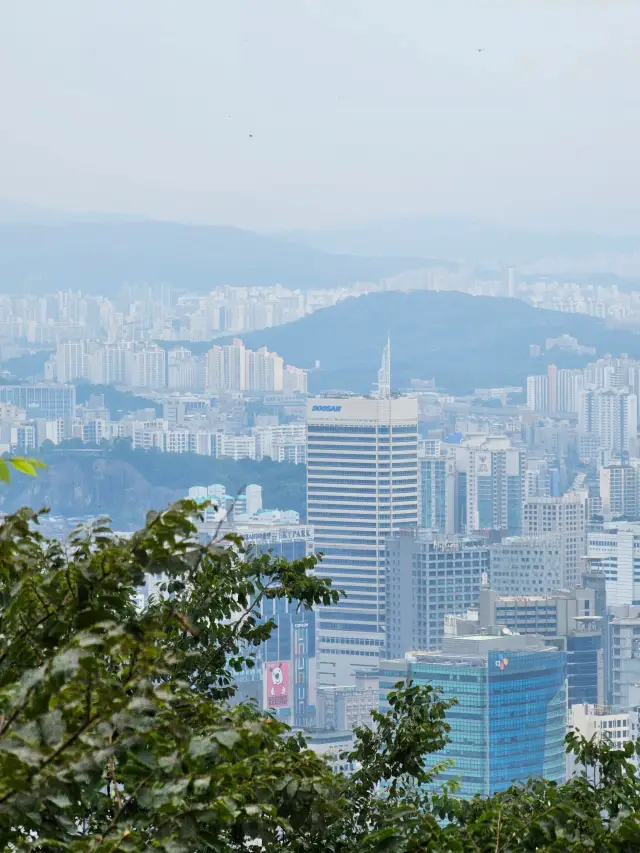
(101, 256)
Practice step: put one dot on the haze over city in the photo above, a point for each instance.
(319, 426)
(303, 114)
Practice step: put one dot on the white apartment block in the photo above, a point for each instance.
(538, 393)
(611, 416)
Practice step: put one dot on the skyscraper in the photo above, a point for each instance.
(362, 484)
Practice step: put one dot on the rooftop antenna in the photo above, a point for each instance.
(383, 391)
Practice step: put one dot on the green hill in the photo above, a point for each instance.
(463, 341)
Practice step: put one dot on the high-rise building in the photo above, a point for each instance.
(568, 619)
(72, 361)
(538, 393)
(570, 386)
(620, 491)
(564, 515)
(625, 657)
(362, 485)
(615, 550)
(428, 577)
(509, 722)
(437, 476)
(527, 565)
(146, 368)
(552, 388)
(491, 480)
(611, 416)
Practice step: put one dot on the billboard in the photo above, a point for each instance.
(277, 684)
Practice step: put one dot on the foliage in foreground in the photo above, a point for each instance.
(116, 732)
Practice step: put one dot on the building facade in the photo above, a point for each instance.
(362, 485)
(509, 722)
(426, 578)
(563, 515)
(527, 565)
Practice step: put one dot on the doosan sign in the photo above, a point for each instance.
(326, 408)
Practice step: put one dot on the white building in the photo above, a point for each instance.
(494, 477)
(601, 723)
(362, 484)
(71, 361)
(616, 551)
(611, 416)
(527, 565)
(146, 368)
(564, 515)
(538, 393)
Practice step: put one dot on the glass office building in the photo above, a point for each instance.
(510, 721)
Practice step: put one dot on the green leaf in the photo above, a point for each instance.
(5, 476)
(23, 465)
(228, 738)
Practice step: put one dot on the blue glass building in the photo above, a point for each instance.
(510, 721)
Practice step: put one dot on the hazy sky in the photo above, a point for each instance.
(358, 109)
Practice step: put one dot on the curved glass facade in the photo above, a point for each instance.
(509, 723)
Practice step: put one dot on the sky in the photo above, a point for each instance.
(277, 114)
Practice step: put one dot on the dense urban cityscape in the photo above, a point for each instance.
(501, 522)
(320, 427)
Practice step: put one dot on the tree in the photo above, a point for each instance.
(116, 733)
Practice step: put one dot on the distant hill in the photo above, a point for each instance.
(466, 240)
(463, 341)
(100, 256)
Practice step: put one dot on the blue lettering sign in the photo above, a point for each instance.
(326, 408)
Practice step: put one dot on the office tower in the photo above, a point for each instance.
(615, 550)
(362, 485)
(538, 393)
(527, 565)
(568, 619)
(610, 416)
(51, 402)
(509, 721)
(619, 491)
(625, 657)
(564, 515)
(72, 361)
(437, 478)
(491, 484)
(426, 578)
